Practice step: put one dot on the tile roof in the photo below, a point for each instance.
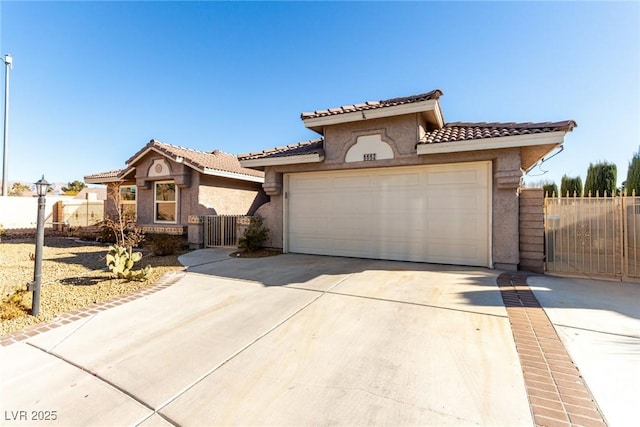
(200, 160)
(314, 146)
(370, 105)
(461, 131)
(106, 175)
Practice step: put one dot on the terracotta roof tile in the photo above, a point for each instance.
(434, 94)
(461, 131)
(200, 160)
(105, 175)
(314, 146)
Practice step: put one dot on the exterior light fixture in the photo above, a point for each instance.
(8, 64)
(41, 189)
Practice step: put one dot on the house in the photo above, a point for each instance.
(169, 188)
(392, 180)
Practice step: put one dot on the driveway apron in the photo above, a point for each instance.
(286, 340)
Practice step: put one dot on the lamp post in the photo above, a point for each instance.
(41, 188)
(8, 64)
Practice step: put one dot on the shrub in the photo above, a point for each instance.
(3, 232)
(164, 244)
(111, 232)
(254, 236)
(13, 306)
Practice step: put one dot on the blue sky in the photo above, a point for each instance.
(94, 81)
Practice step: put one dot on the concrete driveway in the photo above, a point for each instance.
(285, 340)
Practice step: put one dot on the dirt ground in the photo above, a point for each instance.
(74, 275)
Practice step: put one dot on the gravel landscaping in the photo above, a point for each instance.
(73, 276)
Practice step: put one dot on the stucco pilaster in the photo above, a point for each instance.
(506, 234)
(272, 215)
(272, 182)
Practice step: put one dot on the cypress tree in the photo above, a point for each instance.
(573, 185)
(633, 175)
(601, 178)
(550, 189)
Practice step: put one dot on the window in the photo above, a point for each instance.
(166, 206)
(128, 202)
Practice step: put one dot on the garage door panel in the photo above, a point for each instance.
(468, 200)
(424, 213)
(404, 180)
(454, 178)
(463, 226)
(351, 182)
(448, 252)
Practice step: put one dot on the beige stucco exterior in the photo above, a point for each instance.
(402, 133)
(198, 194)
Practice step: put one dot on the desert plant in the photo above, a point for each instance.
(12, 305)
(73, 188)
(163, 244)
(121, 260)
(254, 236)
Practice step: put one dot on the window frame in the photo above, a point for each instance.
(134, 202)
(156, 202)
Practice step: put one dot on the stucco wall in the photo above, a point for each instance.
(197, 195)
(222, 196)
(402, 134)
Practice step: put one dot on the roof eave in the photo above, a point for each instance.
(317, 123)
(110, 179)
(282, 160)
(550, 138)
(232, 175)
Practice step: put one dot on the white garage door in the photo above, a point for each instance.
(438, 214)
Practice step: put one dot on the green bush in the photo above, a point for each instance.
(164, 244)
(254, 236)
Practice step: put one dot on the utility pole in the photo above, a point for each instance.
(8, 64)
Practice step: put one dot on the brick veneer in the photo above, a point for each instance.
(532, 230)
(558, 395)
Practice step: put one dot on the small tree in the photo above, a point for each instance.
(633, 175)
(550, 189)
(18, 189)
(254, 236)
(121, 224)
(601, 179)
(73, 188)
(120, 257)
(571, 185)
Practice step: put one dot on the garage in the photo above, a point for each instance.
(436, 213)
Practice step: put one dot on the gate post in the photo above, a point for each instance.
(195, 231)
(531, 230)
